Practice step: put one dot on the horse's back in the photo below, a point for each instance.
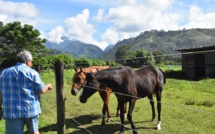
(148, 79)
(152, 71)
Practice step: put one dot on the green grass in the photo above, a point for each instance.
(188, 107)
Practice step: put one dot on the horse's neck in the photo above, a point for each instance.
(111, 80)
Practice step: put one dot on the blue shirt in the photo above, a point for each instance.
(19, 86)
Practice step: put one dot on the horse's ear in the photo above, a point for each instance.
(76, 69)
(81, 70)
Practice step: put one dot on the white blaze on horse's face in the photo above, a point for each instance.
(74, 91)
(81, 93)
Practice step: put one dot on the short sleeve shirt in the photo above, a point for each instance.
(20, 86)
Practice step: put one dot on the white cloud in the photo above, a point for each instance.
(158, 4)
(78, 27)
(127, 2)
(3, 18)
(131, 19)
(43, 35)
(199, 19)
(99, 16)
(18, 11)
(124, 19)
(102, 44)
(56, 34)
(112, 36)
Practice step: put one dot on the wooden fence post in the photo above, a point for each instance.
(59, 77)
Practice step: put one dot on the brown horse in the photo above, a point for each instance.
(128, 85)
(79, 80)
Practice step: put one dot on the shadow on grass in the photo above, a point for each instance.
(70, 123)
(109, 128)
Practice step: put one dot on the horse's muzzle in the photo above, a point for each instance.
(83, 100)
(74, 91)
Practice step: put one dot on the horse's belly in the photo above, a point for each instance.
(143, 92)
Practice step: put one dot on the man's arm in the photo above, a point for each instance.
(48, 87)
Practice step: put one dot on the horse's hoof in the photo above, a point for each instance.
(135, 131)
(125, 115)
(152, 120)
(108, 120)
(159, 125)
(122, 130)
(158, 128)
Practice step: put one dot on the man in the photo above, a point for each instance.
(19, 89)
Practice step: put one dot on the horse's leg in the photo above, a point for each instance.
(121, 107)
(129, 115)
(106, 103)
(117, 110)
(153, 107)
(104, 109)
(158, 96)
(125, 110)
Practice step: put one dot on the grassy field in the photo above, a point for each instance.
(187, 107)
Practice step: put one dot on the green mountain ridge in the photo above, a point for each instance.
(76, 48)
(166, 42)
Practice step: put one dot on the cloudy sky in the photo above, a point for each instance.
(104, 22)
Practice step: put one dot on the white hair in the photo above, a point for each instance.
(24, 56)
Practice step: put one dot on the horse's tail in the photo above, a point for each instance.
(164, 76)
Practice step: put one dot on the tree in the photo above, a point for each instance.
(140, 58)
(159, 56)
(15, 38)
(67, 60)
(122, 53)
(83, 62)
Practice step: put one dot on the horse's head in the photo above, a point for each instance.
(78, 80)
(91, 86)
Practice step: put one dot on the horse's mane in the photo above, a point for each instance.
(109, 69)
(114, 73)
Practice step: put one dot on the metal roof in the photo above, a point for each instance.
(197, 49)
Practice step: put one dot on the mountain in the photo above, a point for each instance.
(76, 48)
(108, 48)
(165, 41)
(80, 49)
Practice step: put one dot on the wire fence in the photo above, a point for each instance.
(88, 109)
(73, 101)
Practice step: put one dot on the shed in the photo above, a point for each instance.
(198, 62)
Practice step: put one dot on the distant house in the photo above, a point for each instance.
(198, 62)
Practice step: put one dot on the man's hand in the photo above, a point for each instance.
(49, 86)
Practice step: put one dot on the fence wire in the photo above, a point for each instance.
(163, 103)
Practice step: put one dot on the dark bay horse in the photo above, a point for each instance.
(79, 80)
(128, 85)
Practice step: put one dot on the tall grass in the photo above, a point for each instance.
(187, 107)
